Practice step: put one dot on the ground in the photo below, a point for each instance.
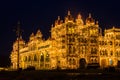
(83, 74)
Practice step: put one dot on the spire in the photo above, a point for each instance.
(52, 25)
(32, 35)
(58, 21)
(90, 20)
(97, 22)
(79, 20)
(68, 17)
(89, 15)
(113, 27)
(79, 16)
(68, 12)
(39, 34)
(20, 37)
(58, 17)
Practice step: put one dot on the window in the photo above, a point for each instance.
(110, 42)
(25, 58)
(29, 58)
(111, 53)
(35, 57)
(70, 49)
(42, 57)
(106, 53)
(70, 61)
(93, 51)
(74, 62)
(47, 57)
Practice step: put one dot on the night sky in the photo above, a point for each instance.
(38, 14)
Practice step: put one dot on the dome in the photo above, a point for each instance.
(68, 17)
(89, 19)
(39, 34)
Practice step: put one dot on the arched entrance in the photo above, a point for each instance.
(110, 62)
(82, 63)
(103, 63)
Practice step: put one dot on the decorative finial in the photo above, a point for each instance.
(20, 37)
(89, 15)
(113, 27)
(52, 25)
(58, 17)
(68, 12)
(79, 16)
(97, 22)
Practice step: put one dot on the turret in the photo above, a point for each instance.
(31, 37)
(58, 21)
(79, 20)
(39, 35)
(68, 17)
(90, 20)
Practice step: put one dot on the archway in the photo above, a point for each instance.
(82, 63)
(110, 62)
(103, 63)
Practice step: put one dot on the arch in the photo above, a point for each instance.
(110, 62)
(25, 58)
(74, 61)
(103, 63)
(35, 57)
(47, 57)
(42, 57)
(82, 63)
(29, 58)
(70, 61)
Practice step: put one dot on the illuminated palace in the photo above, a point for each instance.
(73, 44)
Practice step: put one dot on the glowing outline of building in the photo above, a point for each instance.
(73, 44)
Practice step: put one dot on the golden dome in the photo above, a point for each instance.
(89, 19)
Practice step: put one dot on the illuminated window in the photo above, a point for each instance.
(25, 58)
(35, 58)
(93, 51)
(70, 49)
(63, 47)
(70, 61)
(42, 57)
(63, 41)
(116, 53)
(111, 61)
(29, 58)
(111, 53)
(110, 42)
(106, 54)
(47, 57)
(102, 43)
(74, 62)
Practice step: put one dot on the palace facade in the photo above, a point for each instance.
(73, 44)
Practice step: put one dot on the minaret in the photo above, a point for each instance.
(58, 21)
(79, 20)
(68, 17)
(90, 20)
(39, 35)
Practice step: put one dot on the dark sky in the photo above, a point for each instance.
(38, 14)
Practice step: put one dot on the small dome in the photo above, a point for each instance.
(38, 34)
(89, 19)
(69, 17)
